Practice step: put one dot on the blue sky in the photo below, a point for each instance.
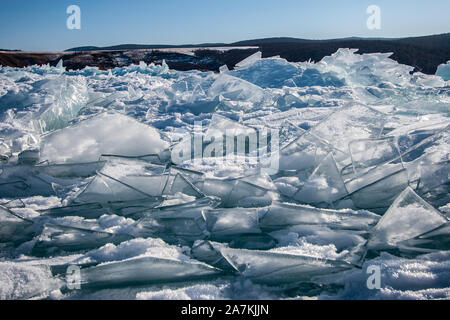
(40, 25)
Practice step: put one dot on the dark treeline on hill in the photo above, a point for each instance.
(423, 53)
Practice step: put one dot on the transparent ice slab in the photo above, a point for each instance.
(5, 152)
(205, 252)
(261, 241)
(282, 215)
(149, 179)
(88, 211)
(29, 157)
(226, 224)
(180, 184)
(158, 159)
(23, 181)
(367, 154)
(142, 271)
(56, 239)
(435, 240)
(273, 268)
(69, 95)
(305, 153)
(12, 226)
(434, 183)
(350, 123)
(408, 217)
(183, 223)
(65, 170)
(133, 208)
(221, 125)
(249, 60)
(428, 166)
(443, 71)
(278, 73)
(191, 209)
(235, 89)
(224, 135)
(324, 186)
(377, 189)
(236, 192)
(104, 189)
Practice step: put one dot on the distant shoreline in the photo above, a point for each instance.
(425, 53)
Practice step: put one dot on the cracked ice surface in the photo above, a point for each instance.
(156, 183)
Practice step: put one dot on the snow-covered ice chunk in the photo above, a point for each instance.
(408, 217)
(106, 133)
(26, 280)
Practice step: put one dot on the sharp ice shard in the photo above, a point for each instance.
(408, 217)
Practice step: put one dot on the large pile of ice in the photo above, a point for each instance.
(272, 180)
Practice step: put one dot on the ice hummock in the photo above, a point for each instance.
(90, 177)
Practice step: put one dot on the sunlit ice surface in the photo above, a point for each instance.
(274, 180)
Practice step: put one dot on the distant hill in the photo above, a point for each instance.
(144, 46)
(424, 53)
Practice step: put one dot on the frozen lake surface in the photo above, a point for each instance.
(274, 180)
